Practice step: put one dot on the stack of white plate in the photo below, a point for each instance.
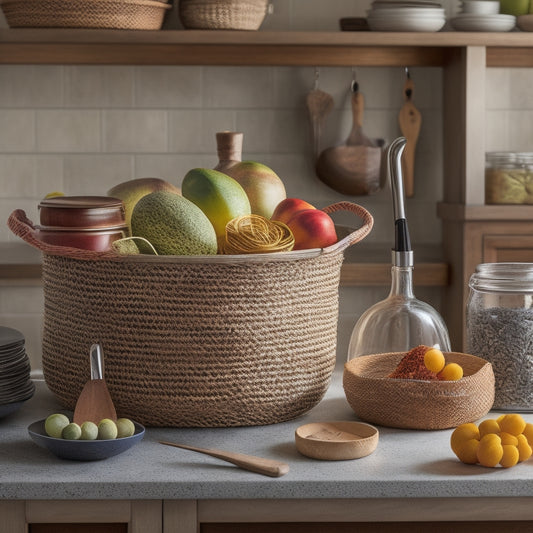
(406, 15)
(482, 15)
(15, 384)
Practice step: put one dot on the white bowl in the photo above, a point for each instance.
(484, 23)
(406, 24)
(481, 7)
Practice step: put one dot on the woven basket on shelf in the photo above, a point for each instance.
(416, 404)
(194, 340)
(109, 14)
(222, 14)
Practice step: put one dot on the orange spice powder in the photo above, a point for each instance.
(412, 366)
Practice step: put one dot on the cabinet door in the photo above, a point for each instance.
(508, 248)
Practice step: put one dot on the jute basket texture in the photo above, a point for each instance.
(109, 14)
(416, 404)
(222, 14)
(194, 341)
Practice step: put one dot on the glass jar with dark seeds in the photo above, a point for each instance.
(499, 326)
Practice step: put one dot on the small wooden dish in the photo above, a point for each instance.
(336, 441)
(417, 404)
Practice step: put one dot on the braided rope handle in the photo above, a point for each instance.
(23, 227)
(358, 234)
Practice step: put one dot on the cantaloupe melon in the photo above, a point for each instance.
(173, 225)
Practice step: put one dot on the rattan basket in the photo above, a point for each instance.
(110, 14)
(416, 404)
(194, 340)
(223, 14)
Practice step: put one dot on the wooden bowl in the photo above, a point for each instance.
(336, 441)
(417, 404)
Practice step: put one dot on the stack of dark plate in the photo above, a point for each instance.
(15, 384)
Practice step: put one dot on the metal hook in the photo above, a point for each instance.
(407, 73)
(355, 85)
(317, 75)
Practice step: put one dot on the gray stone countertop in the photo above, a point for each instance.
(406, 463)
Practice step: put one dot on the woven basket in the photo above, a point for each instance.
(114, 14)
(222, 14)
(193, 341)
(415, 404)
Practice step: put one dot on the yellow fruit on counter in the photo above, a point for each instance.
(512, 423)
(528, 433)
(490, 450)
(488, 426)
(219, 196)
(54, 194)
(510, 456)
(462, 434)
(467, 451)
(524, 448)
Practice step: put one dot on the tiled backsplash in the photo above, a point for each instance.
(82, 129)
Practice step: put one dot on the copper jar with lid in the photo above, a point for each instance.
(87, 222)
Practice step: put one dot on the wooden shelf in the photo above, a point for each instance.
(492, 213)
(197, 47)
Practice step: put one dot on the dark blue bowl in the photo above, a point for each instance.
(83, 450)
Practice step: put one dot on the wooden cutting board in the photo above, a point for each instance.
(410, 121)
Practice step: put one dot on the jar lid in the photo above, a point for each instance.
(76, 202)
(504, 277)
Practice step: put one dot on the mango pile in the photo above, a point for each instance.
(505, 441)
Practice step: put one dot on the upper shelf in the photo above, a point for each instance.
(197, 47)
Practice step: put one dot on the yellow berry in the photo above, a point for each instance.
(528, 432)
(451, 372)
(513, 424)
(507, 438)
(510, 456)
(461, 434)
(524, 448)
(434, 360)
(490, 450)
(488, 426)
(467, 452)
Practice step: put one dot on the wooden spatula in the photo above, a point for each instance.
(410, 121)
(259, 465)
(94, 402)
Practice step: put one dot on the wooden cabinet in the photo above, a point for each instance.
(473, 232)
(85, 516)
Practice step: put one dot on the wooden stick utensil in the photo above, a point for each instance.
(267, 467)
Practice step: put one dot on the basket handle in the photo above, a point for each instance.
(357, 235)
(23, 227)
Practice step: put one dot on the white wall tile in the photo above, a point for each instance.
(171, 167)
(99, 86)
(68, 130)
(135, 130)
(95, 174)
(168, 87)
(195, 130)
(17, 133)
(31, 86)
(238, 87)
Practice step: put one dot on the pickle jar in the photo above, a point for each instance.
(509, 178)
(499, 329)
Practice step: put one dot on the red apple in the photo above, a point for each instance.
(312, 228)
(288, 207)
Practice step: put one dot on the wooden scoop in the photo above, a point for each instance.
(354, 167)
(410, 121)
(94, 402)
(267, 467)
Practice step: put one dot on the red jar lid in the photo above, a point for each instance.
(82, 212)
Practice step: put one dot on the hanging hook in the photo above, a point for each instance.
(317, 76)
(407, 73)
(355, 85)
(408, 87)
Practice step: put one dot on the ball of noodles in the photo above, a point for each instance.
(255, 234)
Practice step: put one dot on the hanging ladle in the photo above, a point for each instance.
(400, 322)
